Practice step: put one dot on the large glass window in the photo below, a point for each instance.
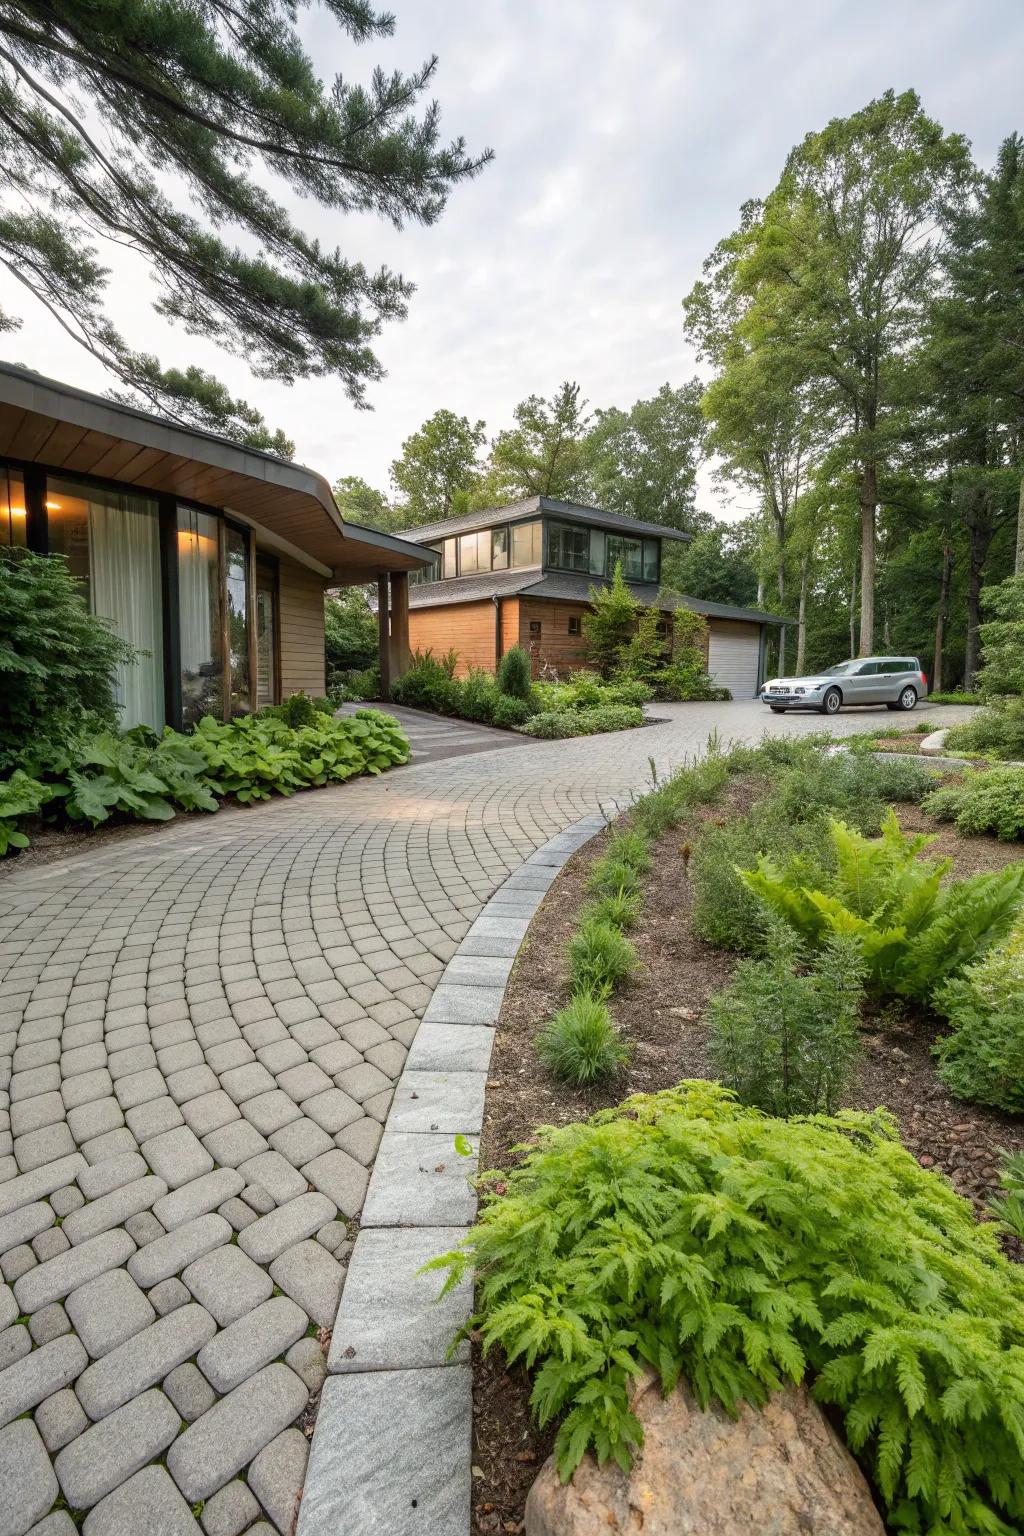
(568, 547)
(424, 573)
(13, 517)
(597, 553)
(469, 554)
(111, 541)
(199, 609)
(627, 551)
(526, 544)
(448, 566)
(651, 564)
(236, 591)
(499, 549)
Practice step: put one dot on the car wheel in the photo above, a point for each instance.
(908, 698)
(832, 703)
(776, 709)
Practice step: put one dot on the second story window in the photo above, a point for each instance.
(526, 544)
(568, 547)
(499, 549)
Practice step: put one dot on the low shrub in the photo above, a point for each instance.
(428, 684)
(698, 784)
(686, 682)
(685, 1232)
(1009, 1206)
(996, 731)
(253, 757)
(510, 712)
(600, 957)
(515, 673)
(556, 724)
(854, 788)
(299, 710)
(786, 1038)
(725, 911)
(954, 696)
(20, 796)
(349, 687)
(982, 1059)
(476, 696)
(619, 908)
(990, 801)
(913, 931)
(581, 1044)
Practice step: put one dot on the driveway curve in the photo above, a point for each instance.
(200, 1033)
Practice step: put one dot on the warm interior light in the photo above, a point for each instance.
(16, 511)
(192, 543)
(52, 506)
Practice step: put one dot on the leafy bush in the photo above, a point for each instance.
(346, 687)
(58, 661)
(982, 1060)
(725, 911)
(849, 786)
(1002, 639)
(991, 801)
(997, 732)
(20, 795)
(786, 1039)
(600, 957)
(428, 684)
(912, 930)
(580, 1044)
(686, 1232)
(136, 777)
(555, 724)
(610, 624)
(476, 696)
(1009, 1207)
(626, 690)
(954, 696)
(298, 710)
(254, 757)
(510, 712)
(515, 673)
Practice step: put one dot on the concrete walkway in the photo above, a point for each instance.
(200, 1034)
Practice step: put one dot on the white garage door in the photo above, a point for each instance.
(732, 656)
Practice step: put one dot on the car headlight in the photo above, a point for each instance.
(799, 690)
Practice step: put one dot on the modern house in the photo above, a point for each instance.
(521, 575)
(209, 557)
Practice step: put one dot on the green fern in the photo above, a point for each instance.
(685, 1232)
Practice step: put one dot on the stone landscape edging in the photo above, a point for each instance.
(392, 1448)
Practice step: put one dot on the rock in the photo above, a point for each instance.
(780, 1471)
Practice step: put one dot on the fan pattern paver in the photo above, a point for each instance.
(200, 1033)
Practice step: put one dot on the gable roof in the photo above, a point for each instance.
(557, 586)
(523, 511)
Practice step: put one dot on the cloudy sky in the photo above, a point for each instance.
(626, 138)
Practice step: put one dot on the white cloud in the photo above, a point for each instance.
(626, 140)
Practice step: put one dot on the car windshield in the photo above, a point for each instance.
(841, 669)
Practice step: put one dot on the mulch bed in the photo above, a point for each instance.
(662, 1012)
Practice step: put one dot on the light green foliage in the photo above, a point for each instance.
(213, 121)
(1002, 638)
(672, 801)
(954, 696)
(685, 1232)
(600, 958)
(630, 847)
(138, 774)
(438, 469)
(554, 724)
(990, 801)
(350, 631)
(510, 713)
(609, 626)
(543, 454)
(254, 757)
(982, 1059)
(684, 676)
(643, 462)
(997, 731)
(580, 1043)
(57, 661)
(22, 796)
(784, 1037)
(515, 673)
(913, 930)
(725, 911)
(1009, 1207)
(618, 908)
(299, 710)
(587, 690)
(855, 787)
(478, 696)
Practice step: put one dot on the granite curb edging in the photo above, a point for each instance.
(392, 1447)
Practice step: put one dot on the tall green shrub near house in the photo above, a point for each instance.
(609, 628)
(57, 660)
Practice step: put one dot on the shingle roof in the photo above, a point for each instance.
(519, 511)
(559, 586)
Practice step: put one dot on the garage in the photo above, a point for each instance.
(734, 650)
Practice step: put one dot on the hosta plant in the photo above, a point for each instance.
(912, 929)
(20, 795)
(686, 1232)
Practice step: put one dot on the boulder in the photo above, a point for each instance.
(779, 1471)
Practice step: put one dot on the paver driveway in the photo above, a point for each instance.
(199, 1036)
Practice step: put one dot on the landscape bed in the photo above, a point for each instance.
(662, 1009)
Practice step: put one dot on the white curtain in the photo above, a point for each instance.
(196, 550)
(124, 581)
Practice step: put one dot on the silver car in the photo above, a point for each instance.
(896, 681)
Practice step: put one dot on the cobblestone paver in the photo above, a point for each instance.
(200, 1037)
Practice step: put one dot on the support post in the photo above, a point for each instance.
(383, 636)
(399, 624)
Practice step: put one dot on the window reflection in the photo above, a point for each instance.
(236, 588)
(202, 663)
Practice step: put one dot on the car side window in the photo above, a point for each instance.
(867, 669)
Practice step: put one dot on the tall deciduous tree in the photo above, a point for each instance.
(544, 454)
(846, 250)
(361, 502)
(438, 469)
(103, 109)
(644, 461)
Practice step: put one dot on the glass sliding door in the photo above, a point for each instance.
(236, 592)
(199, 616)
(111, 541)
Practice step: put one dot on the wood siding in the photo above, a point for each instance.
(509, 623)
(301, 626)
(553, 647)
(467, 628)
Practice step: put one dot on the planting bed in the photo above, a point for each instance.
(662, 1012)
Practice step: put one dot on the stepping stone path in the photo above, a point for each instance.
(201, 1035)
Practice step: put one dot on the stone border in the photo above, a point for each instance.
(392, 1446)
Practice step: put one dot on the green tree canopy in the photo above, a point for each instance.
(438, 469)
(361, 502)
(643, 462)
(103, 108)
(544, 454)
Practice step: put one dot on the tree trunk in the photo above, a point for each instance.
(868, 509)
(853, 610)
(801, 619)
(1018, 563)
(941, 616)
